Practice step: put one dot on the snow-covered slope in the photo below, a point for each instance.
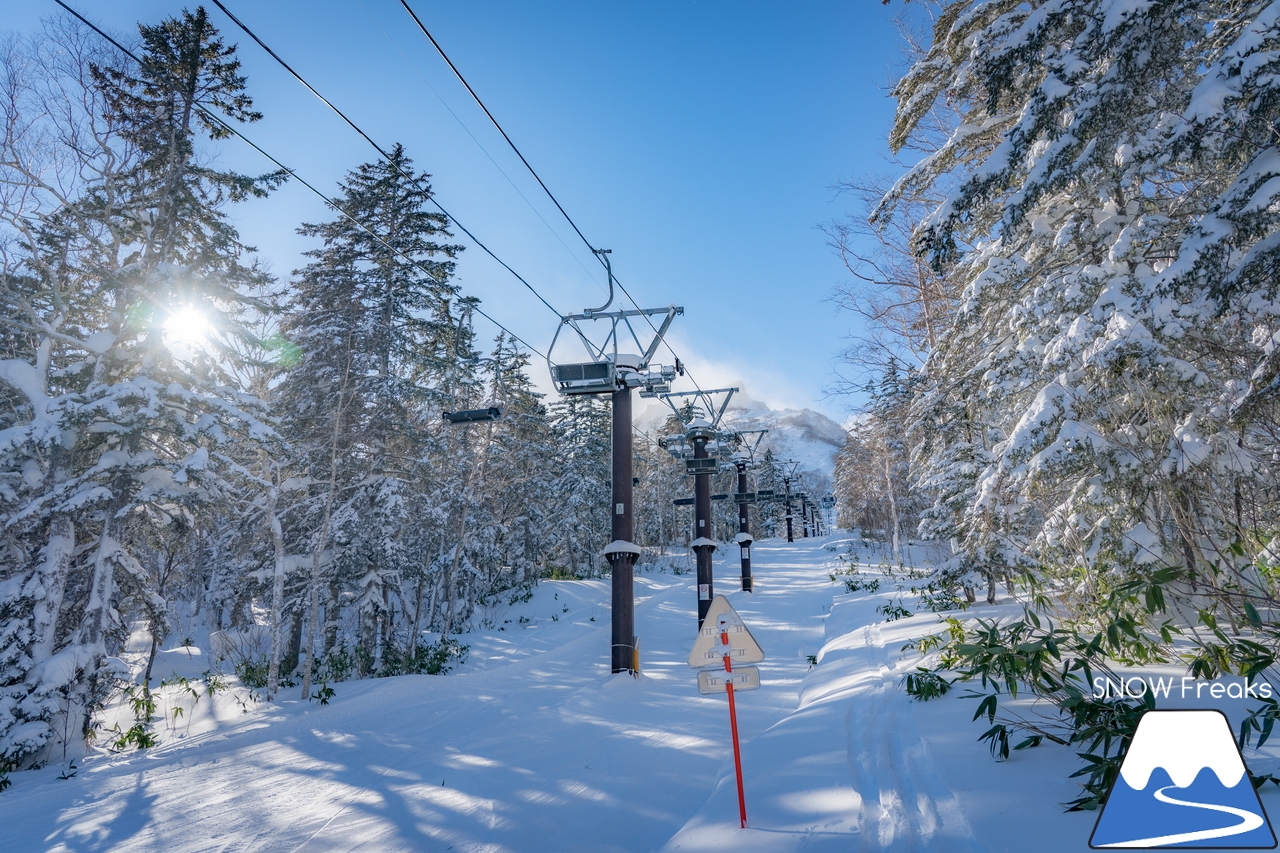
(533, 746)
(802, 434)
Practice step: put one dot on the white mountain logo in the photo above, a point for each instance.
(1183, 784)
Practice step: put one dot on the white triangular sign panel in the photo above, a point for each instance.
(707, 650)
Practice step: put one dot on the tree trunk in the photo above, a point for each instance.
(277, 587)
(332, 617)
(412, 646)
(434, 609)
(322, 539)
(293, 655)
(53, 571)
(451, 589)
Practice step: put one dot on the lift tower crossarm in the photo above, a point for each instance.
(601, 352)
(705, 397)
(752, 446)
(630, 312)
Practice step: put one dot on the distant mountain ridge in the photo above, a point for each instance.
(810, 437)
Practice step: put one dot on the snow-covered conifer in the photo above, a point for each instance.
(1103, 403)
(370, 318)
(122, 429)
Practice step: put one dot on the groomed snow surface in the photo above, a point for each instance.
(533, 745)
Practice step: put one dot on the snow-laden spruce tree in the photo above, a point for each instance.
(370, 318)
(1104, 403)
(768, 519)
(113, 225)
(457, 472)
(496, 487)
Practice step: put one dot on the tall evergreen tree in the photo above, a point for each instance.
(116, 433)
(1104, 405)
(372, 321)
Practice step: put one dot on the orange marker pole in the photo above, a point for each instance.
(733, 724)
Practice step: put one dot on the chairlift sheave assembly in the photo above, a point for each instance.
(609, 369)
(721, 445)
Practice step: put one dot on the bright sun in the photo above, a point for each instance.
(187, 327)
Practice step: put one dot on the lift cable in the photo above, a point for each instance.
(330, 202)
(545, 189)
(381, 151)
(479, 144)
(464, 82)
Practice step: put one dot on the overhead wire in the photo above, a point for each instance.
(479, 144)
(330, 202)
(537, 177)
(506, 137)
(380, 150)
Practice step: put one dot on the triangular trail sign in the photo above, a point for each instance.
(707, 650)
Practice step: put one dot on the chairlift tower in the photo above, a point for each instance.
(789, 474)
(615, 373)
(748, 440)
(700, 432)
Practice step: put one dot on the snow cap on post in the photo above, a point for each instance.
(744, 539)
(702, 542)
(699, 428)
(618, 546)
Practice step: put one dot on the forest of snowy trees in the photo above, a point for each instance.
(1073, 324)
(287, 466)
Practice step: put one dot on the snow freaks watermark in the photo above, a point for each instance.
(1183, 783)
(1184, 688)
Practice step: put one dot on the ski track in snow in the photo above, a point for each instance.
(912, 810)
(533, 747)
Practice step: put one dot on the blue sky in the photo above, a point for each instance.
(697, 140)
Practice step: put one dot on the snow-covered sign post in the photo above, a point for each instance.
(722, 640)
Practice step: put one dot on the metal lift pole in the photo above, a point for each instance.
(607, 371)
(786, 481)
(622, 561)
(804, 516)
(744, 529)
(703, 546)
(698, 432)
